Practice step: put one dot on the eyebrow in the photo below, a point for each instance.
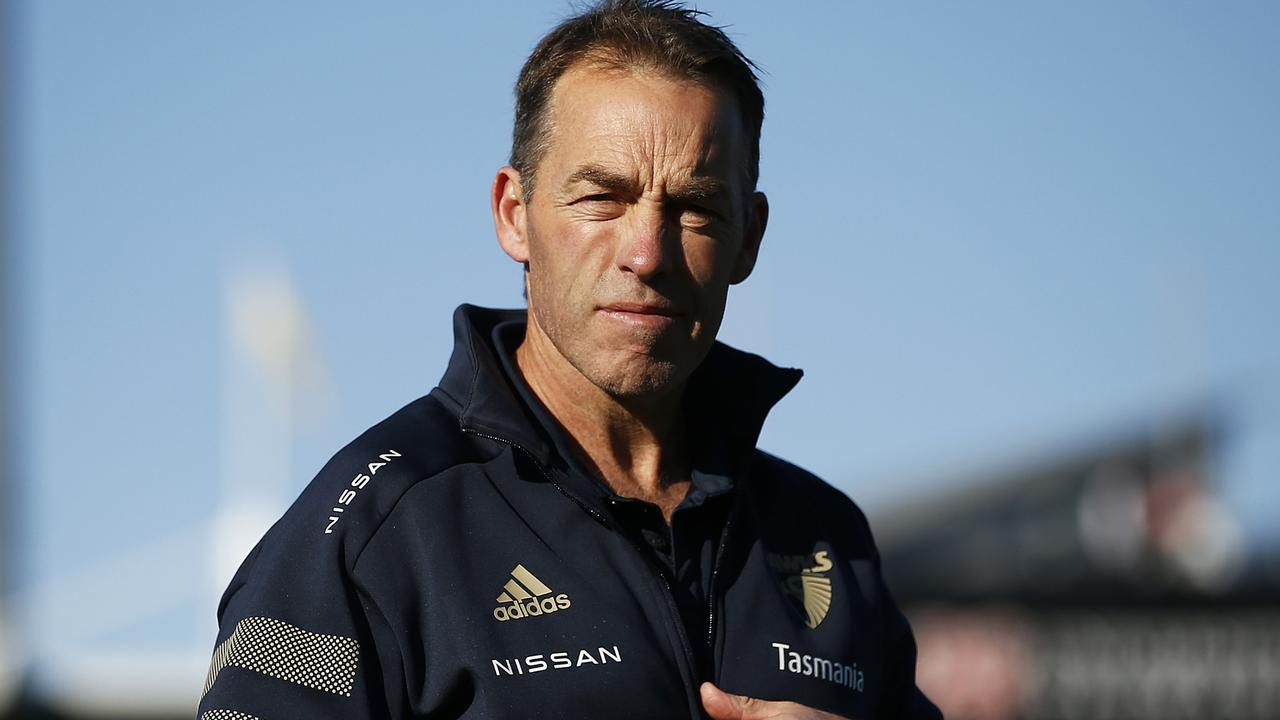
(698, 187)
(601, 178)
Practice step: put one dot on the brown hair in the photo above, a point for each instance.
(641, 34)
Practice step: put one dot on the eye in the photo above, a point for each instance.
(599, 202)
(599, 206)
(695, 215)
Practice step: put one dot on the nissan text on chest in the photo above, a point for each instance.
(576, 522)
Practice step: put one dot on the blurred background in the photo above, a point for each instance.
(1028, 255)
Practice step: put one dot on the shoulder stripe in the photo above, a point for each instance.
(280, 650)
(227, 715)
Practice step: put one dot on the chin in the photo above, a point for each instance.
(633, 380)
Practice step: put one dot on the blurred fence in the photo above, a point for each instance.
(1106, 584)
(1000, 663)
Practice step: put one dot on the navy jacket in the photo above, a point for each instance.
(446, 564)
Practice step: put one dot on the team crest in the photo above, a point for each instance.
(805, 579)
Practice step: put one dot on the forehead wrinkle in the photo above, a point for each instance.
(696, 161)
(677, 168)
(635, 139)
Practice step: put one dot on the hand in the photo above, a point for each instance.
(720, 705)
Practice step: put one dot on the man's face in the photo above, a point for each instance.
(640, 221)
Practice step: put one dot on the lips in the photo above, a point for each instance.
(640, 309)
(644, 315)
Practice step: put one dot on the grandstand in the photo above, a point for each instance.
(1109, 582)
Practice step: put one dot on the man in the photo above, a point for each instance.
(576, 523)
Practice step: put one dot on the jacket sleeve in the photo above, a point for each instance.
(903, 700)
(296, 637)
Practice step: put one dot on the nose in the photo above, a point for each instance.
(644, 246)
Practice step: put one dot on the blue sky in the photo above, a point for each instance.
(997, 229)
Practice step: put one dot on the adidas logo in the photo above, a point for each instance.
(525, 595)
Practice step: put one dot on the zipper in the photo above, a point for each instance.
(690, 679)
(711, 590)
(673, 616)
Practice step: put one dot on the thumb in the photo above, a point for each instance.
(720, 705)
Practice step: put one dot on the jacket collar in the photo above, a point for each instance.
(732, 390)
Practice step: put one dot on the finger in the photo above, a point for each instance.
(720, 705)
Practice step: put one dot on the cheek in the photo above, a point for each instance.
(564, 261)
(710, 260)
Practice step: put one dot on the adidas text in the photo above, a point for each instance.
(544, 606)
(524, 595)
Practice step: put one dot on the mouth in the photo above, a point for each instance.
(642, 315)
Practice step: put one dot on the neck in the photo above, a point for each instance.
(637, 445)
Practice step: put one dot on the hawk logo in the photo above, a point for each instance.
(804, 579)
(525, 596)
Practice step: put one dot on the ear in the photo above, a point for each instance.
(506, 199)
(757, 219)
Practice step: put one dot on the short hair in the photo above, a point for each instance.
(656, 35)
